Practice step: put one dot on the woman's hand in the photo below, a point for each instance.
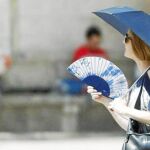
(96, 96)
(118, 106)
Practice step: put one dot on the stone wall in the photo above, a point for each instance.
(51, 112)
(5, 30)
(44, 34)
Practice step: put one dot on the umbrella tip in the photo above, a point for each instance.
(113, 10)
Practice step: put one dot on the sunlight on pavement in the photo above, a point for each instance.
(80, 143)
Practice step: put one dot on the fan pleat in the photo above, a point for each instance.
(104, 69)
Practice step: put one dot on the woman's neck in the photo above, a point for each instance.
(142, 65)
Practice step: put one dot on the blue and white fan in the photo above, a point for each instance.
(102, 74)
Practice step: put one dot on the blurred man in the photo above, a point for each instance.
(92, 46)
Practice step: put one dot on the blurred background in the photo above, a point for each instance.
(38, 39)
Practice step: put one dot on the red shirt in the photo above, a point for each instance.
(84, 51)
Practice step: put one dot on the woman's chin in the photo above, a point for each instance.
(127, 56)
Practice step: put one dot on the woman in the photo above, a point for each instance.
(125, 109)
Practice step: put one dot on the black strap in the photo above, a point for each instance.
(137, 126)
(138, 101)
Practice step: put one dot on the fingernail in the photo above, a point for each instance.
(99, 93)
(90, 87)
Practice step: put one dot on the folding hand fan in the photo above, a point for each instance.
(102, 74)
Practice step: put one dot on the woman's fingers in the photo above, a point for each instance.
(91, 90)
(96, 96)
(96, 93)
(90, 87)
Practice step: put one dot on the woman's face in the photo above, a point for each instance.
(129, 53)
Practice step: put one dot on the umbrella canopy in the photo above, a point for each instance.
(125, 18)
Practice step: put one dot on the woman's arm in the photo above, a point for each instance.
(96, 96)
(138, 115)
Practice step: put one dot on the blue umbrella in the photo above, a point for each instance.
(125, 18)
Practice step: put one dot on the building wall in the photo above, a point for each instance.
(44, 34)
(31, 113)
(4, 26)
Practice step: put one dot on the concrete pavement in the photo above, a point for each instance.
(77, 142)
